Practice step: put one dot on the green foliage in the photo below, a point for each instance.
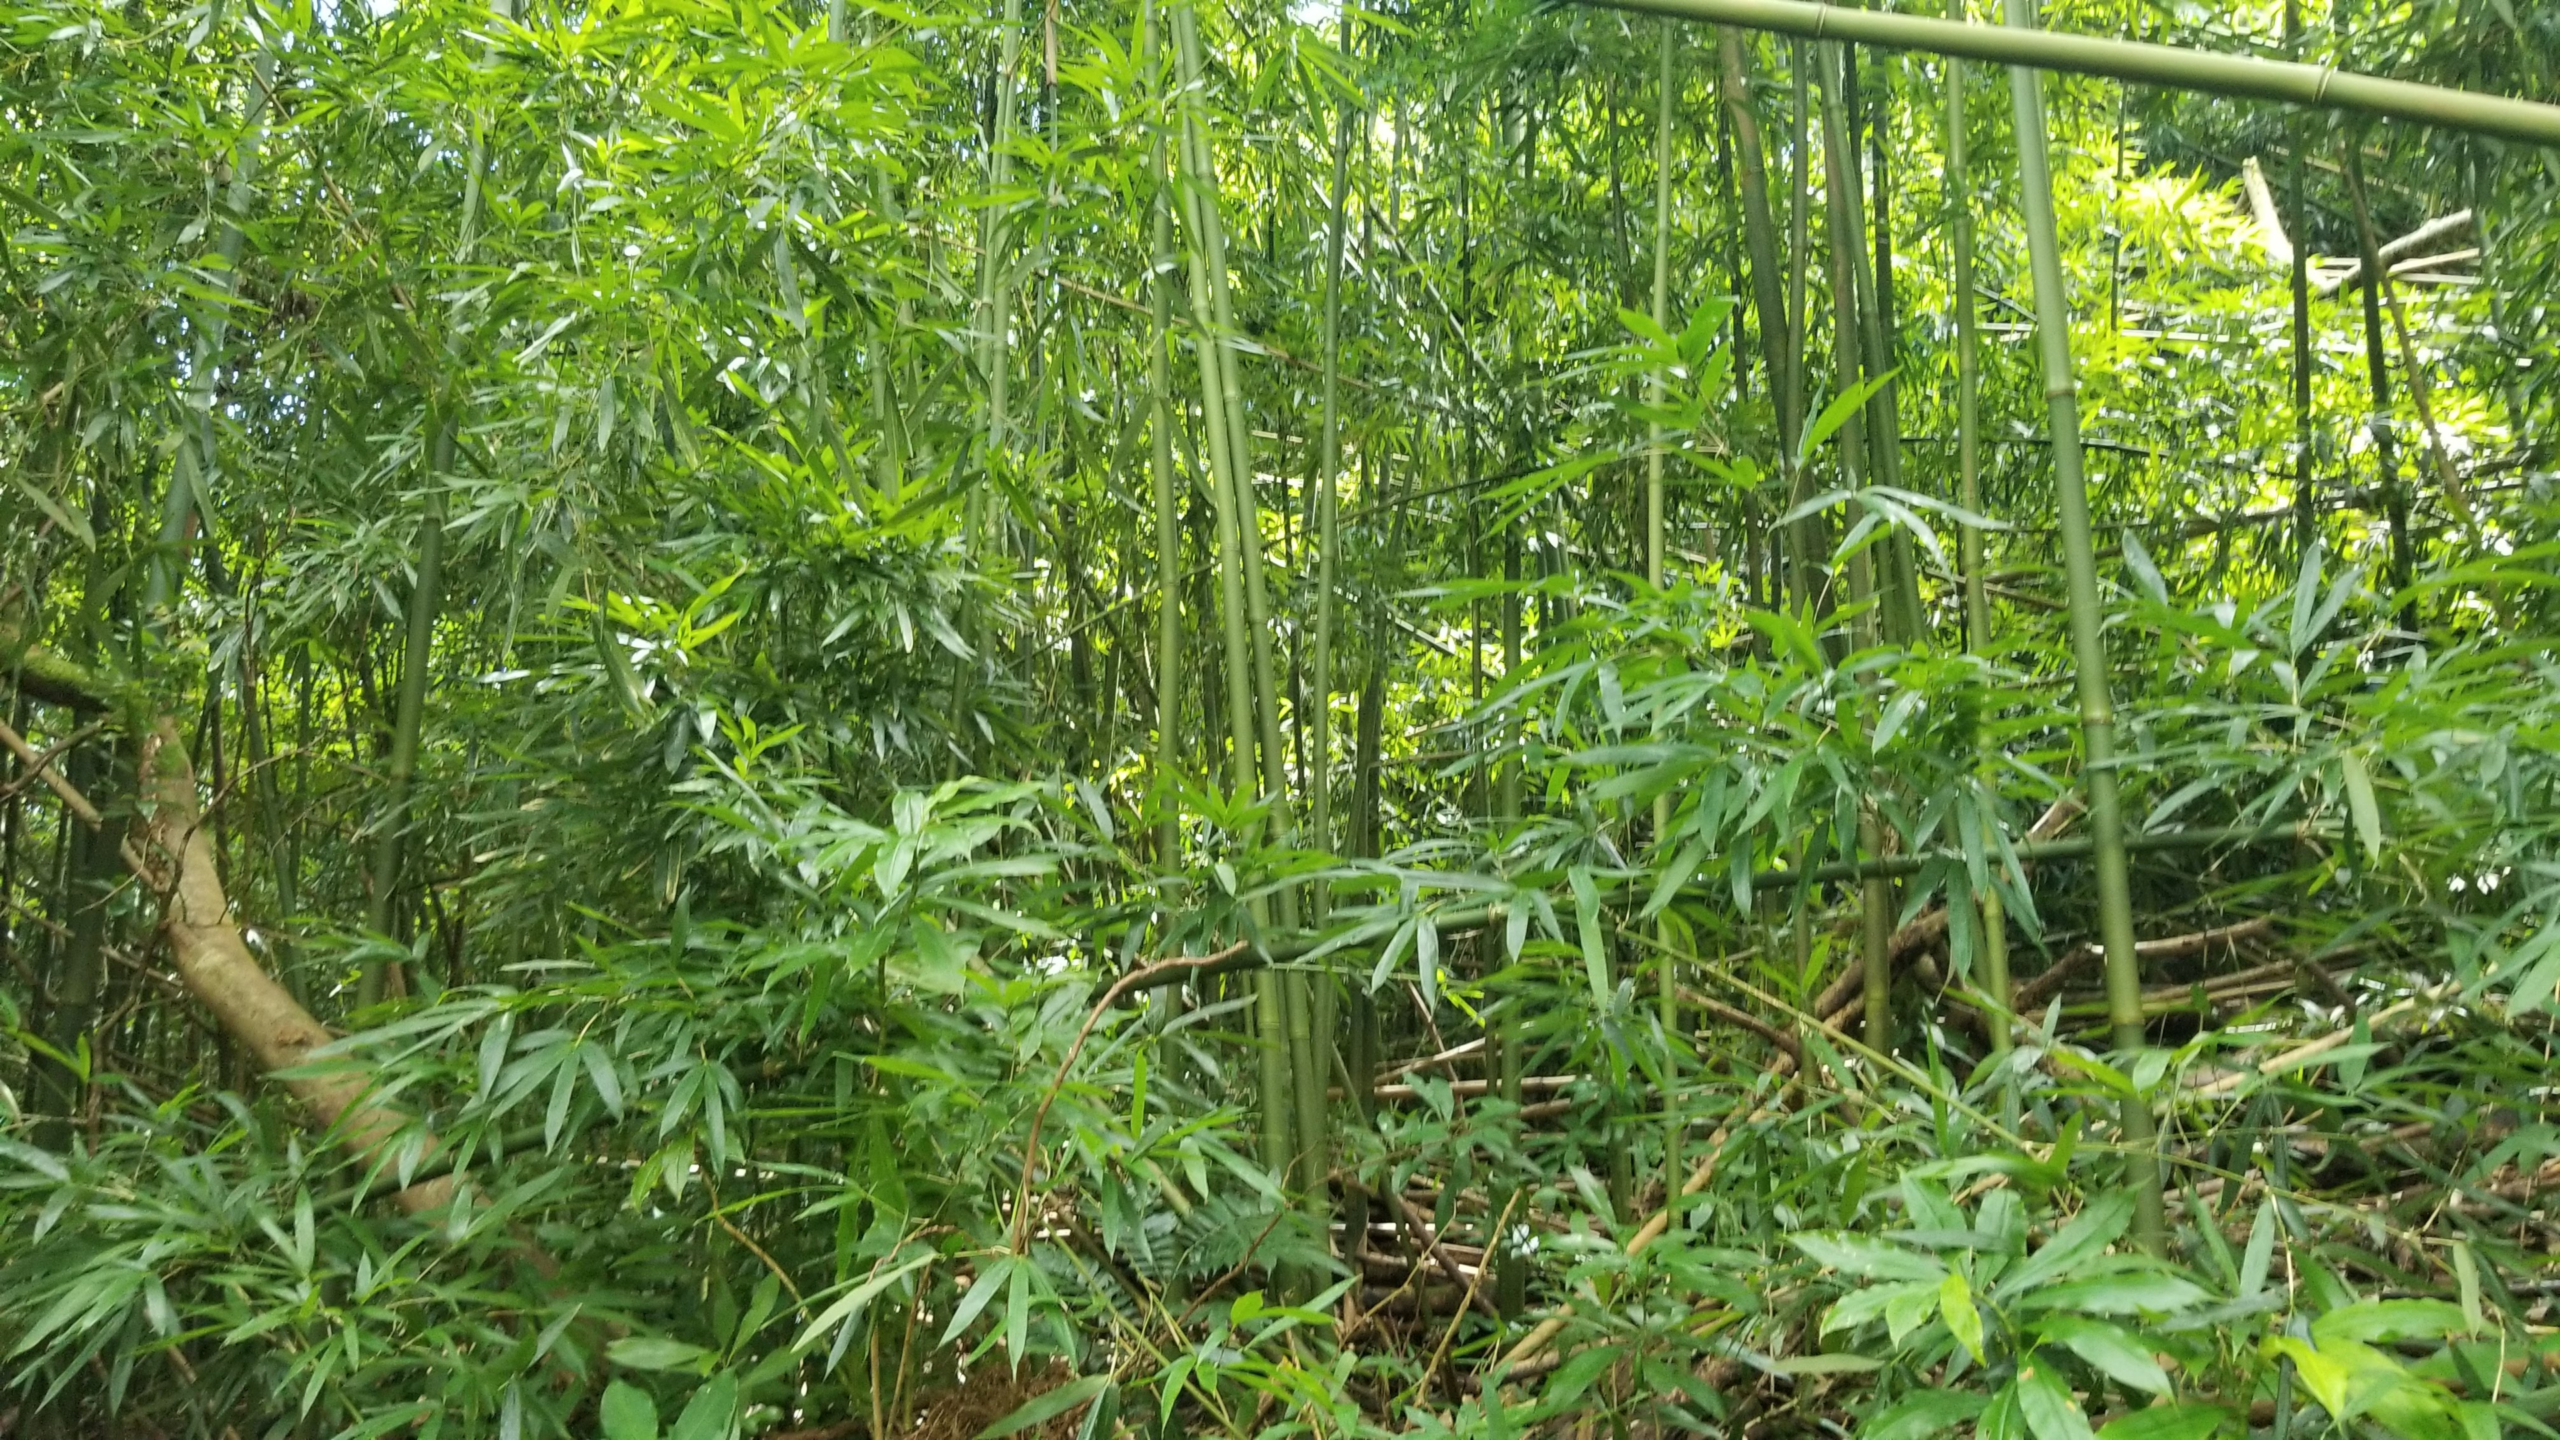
(789, 839)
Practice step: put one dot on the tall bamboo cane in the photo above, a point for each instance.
(2080, 566)
(1655, 395)
(2306, 506)
(1329, 481)
(1270, 1013)
(2386, 445)
(1811, 579)
(995, 290)
(1654, 384)
(1293, 1086)
(1977, 602)
(193, 468)
(1839, 156)
(1760, 240)
(1897, 588)
(426, 598)
(1168, 519)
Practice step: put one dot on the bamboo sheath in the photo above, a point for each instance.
(2170, 66)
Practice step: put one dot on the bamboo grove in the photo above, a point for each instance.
(1730, 717)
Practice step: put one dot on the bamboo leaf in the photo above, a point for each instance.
(1047, 1406)
(2360, 802)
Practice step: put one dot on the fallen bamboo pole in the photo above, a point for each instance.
(2171, 67)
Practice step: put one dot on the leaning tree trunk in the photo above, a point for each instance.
(217, 968)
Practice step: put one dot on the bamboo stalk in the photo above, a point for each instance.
(1270, 1005)
(2378, 280)
(1655, 383)
(1668, 83)
(1806, 536)
(2097, 707)
(193, 468)
(1328, 482)
(2169, 66)
(2386, 447)
(1167, 512)
(1897, 589)
(1293, 1105)
(995, 292)
(426, 599)
(1847, 353)
(1969, 539)
(2306, 519)
(1760, 237)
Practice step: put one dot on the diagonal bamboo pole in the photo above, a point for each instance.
(2169, 66)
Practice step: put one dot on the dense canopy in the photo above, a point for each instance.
(768, 719)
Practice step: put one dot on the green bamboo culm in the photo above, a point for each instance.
(192, 469)
(426, 601)
(1760, 242)
(1656, 387)
(995, 294)
(2170, 67)
(2080, 567)
(1323, 1006)
(1205, 256)
(1804, 538)
(2306, 503)
(1329, 482)
(1969, 540)
(1168, 518)
(1897, 587)
(2378, 422)
(1292, 1072)
(1839, 156)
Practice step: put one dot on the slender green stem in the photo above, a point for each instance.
(995, 290)
(426, 601)
(189, 494)
(1655, 392)
(1759, 233)
(1270, 1003)
(1328, 486)
(1846, 351)
(1169, 640)
(2306, 500)
(1805, 540)
(2080, 566)
(2386, 444)
(1977, 601)
(1293, 1085)
(1897, 587)
(1655, 383)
